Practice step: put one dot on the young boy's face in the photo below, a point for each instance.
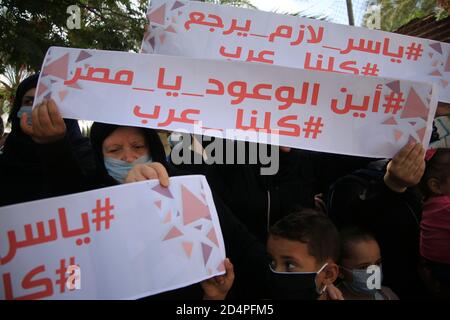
(363, 255)
(445, 187)
(441, 186)
(290, 256)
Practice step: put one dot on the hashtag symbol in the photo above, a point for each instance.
(313, 126)
(370, 69)
(61, 272)
(414, 51)
(393, 102)
(106, 218)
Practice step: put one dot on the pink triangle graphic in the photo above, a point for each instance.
(206, 250)
(57, 68)
(421, 133)
(398, 134)
(83, 56)
(447, 64)
(199, 227)
(53, 81)
(413, 123)
(171, 29)
(187, 246)
(158, 15)
(177, 5)
(394, 86)
(41, 89)
(163, 191)
(436, 73)
(193, 208)
(168, 217)
(391, 120)
(62, 94)
(158, 204)
(212, 236)
(437, 47)
(173, 233)
(414, 106)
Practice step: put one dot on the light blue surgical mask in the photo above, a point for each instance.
(360, 278)
(118, 169)
(27, 110)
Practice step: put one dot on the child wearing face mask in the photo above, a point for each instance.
(360, 267)
(435, 223)
(304, 248)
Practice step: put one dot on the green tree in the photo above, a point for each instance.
(9, 82)
(29, 27)
(396, 13)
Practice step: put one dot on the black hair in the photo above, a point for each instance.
(438, 167)
(312, 228)
(351, 235)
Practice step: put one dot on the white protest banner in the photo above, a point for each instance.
(322, 111)
(204, 30)
(122, 242)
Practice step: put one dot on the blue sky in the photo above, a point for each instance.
(335, 10)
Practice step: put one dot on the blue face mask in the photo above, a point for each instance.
(359, 283)
(118, 169)
(27, 110)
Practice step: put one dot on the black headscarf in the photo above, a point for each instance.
(19, 146)
(24, 86)
(23, 169)
(100, 131)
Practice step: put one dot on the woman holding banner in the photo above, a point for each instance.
(32, 162)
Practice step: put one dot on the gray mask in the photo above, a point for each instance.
(360, 280)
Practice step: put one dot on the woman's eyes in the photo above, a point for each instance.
(115, 150)
(28, 102)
